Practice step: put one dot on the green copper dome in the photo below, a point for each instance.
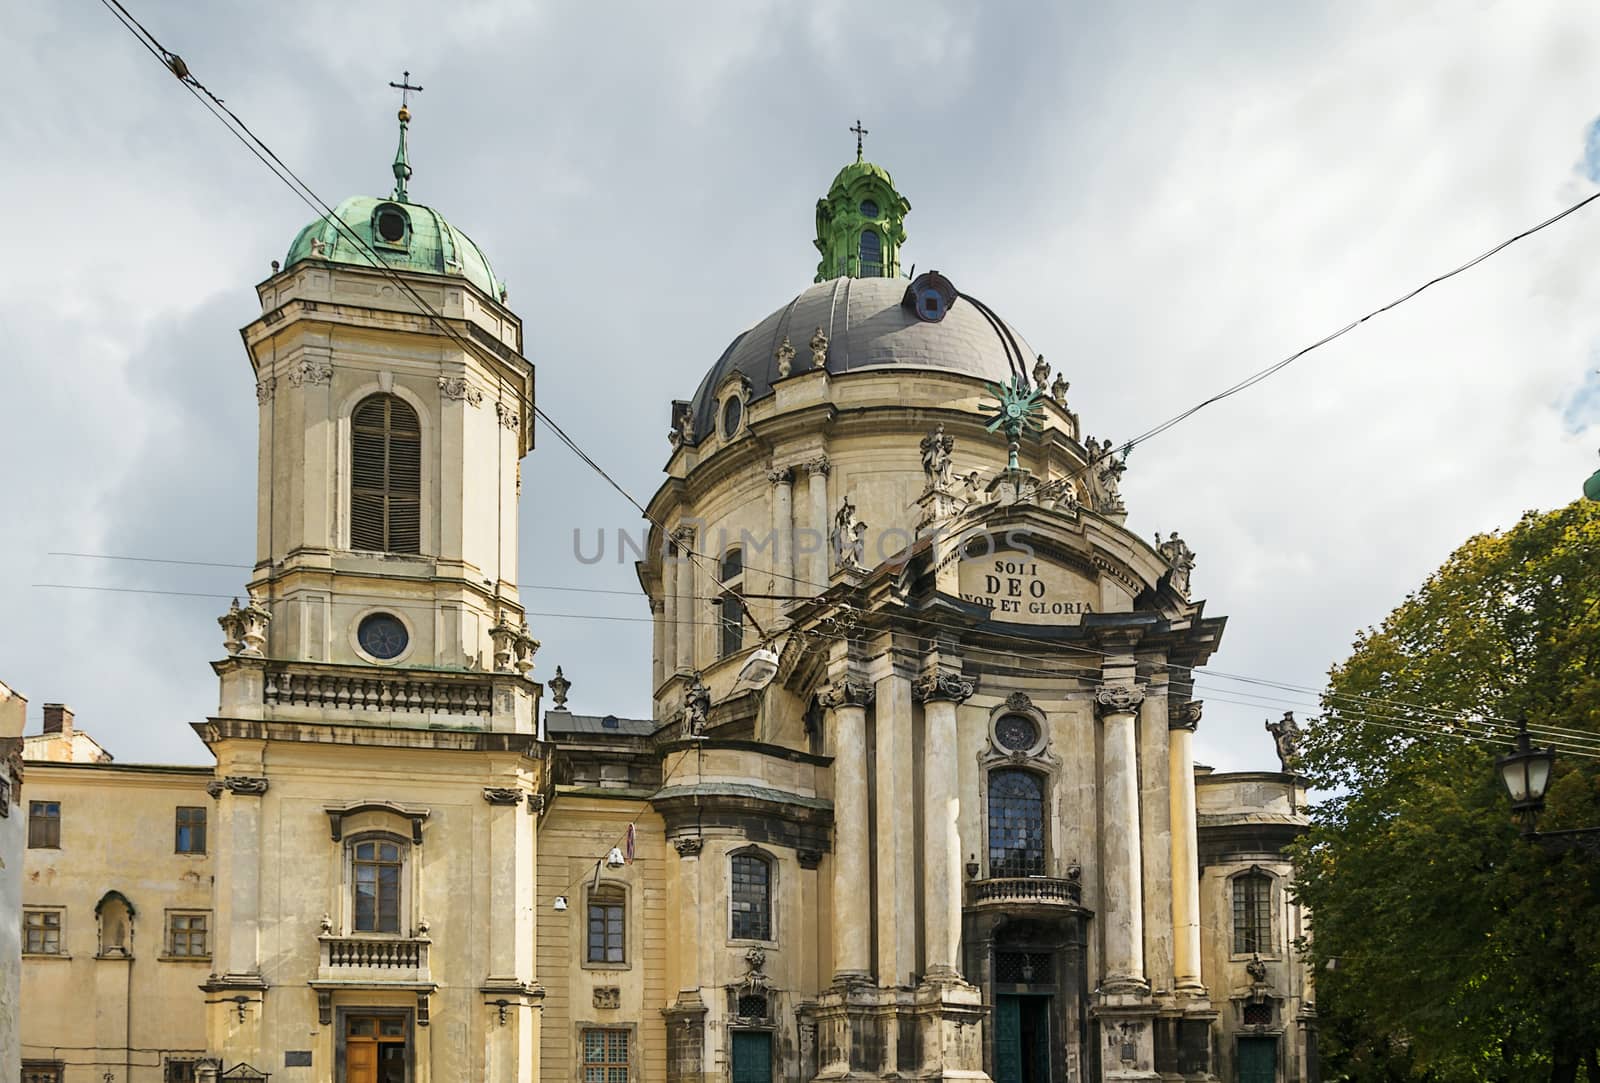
(861, 223)
(1591, 488)
(408, 236)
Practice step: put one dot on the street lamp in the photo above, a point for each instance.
(1526, 774)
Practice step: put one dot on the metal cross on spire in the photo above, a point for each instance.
(860, 131)
(405, 88)
(402, 155)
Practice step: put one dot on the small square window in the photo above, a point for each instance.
(190, 830)
(180, 1070)
(41, 931)
(42, 1071)
(188, 934)
(605, 1056)
(44, 825)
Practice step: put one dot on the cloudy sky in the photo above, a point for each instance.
(1163, 198)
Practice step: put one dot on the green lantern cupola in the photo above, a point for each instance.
(861, 222)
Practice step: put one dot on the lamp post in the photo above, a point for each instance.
(1526, 773)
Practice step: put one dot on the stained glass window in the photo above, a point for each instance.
(1016, 824)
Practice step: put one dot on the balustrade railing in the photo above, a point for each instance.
(373, 954)
(1024, 889)
(398, 692)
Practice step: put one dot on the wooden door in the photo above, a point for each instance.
(752, 1057)
(360, 1061)
(1007, 1039)
(1258, 1060)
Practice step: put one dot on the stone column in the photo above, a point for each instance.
(1182, 719)
(658, 663)
(1122, 878)
(821, 560)
(669, 609)
(846, 703)
(940, 694)
(686, 608)
(896, 838)
(783, 531)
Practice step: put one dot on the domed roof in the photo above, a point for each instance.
(869, 327)
(418, 240)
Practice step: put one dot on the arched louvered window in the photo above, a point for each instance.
(731, 619)
(1016, 824)
(385, 476)
(871, 254)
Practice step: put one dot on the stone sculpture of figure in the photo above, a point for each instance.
(1180, 556)
(1110, 473)
(1058, 390)
(1286, 735)
(1041, 373)
(849, 536)
(696, 706)
(819, 350)
(784, 357)
(936, 449)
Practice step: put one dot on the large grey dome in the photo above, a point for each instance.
(868, 327)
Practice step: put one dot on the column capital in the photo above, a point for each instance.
(781, 475)
(942, 686)
(846, 692)
(1184, 716)
(1117, 699)
(818, 465)
(502, 795)
(688, 845)
(683, 535)
(244, 785)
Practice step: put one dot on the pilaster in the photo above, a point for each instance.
(845, 700)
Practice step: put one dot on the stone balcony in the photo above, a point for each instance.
(374, 960)
(1018, 892)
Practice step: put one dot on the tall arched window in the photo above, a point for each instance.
(732, 617)
(1016, 824)
(871, 254)
(385, 476)
(751, 897)
(1252, 913)
(376, 866)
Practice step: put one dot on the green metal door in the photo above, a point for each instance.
(752, 1057)
(1007, 1039)
(1258, 1060)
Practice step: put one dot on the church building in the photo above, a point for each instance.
(916, 798)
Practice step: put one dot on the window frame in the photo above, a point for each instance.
(43, 1071)
(180, 1069)
(387, 494)
(178, 827)
(404, 882)
(60, 914)
(877, 261)
(169, 936)
(753, 853)
(1004, 870)
(1263, 912)
(606, 1067)
(731, 611)
(378, 863)
(40, 824)
(607, 896)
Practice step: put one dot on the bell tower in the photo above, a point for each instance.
(394, 411)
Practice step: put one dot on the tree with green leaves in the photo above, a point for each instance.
(1447, 947)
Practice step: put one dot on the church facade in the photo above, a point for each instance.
(916, 799)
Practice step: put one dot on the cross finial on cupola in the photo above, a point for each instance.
(402, 157)
(860, 132)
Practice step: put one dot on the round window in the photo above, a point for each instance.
(732, 416)
(1016, 733)
(869, 209)
(391, 225)
(382, 635)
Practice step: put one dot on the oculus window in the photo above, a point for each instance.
(383, 635)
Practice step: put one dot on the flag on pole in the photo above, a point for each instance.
(627, 846)
(596, 884)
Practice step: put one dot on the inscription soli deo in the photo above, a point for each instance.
(1026, 589)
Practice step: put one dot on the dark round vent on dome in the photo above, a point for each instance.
(391, 225)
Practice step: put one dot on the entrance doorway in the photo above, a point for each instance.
(1258, 1060)
(1022, 1038)
(752, 1056)
(375, 1049)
